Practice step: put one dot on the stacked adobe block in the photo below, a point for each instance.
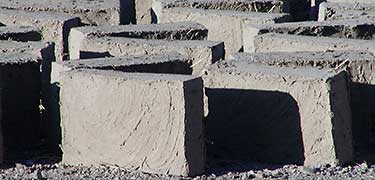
(151, 97)
(335, 10)
(212, 18)
(305, 104)
(20, 97)
(150, 122)
(109, 12)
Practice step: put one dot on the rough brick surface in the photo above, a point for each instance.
(310, 119)
(298, 8)
(362, 28)
(166, 63)
(294, 100)
(172, 63)
(55, 26)
(108, 12)
(274, 6)
(360, 67)
(169, 31)
(214, 20)
(43, 50)
(20, 33)
(143, 9)
(272, 42)
(336, 11)
(113, 118)
(201, 53)
(351, 2)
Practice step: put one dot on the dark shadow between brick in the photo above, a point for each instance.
(252, 129)
(127, 12)
(92, 54)
(363, 115)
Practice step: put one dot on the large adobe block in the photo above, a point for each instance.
(298, 8)
(20, 97)
(168, 31)
(150, 122)
(201, 53)
(362, 28)
(169, 63)
(20, 33)
(172, 63)
(43, 50)
(296, 115)
(222, 25)
(272, 42)
(351, 2)
(144, 7)
(105, 13)
(143, 11)
(359, 65)
(270, 6)
(55, 27)
(44, 53)
(337, 11)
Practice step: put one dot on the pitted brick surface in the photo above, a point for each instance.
(20, 33)
(272, 42)
(230, 33)
(55, 27)
(312, 100)
(201, 53)
(108, 12)
(173, 103)
(362, 28)
(337, 11)
(296, 100)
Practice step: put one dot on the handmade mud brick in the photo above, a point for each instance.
(149, 122)
(168, 31)
(20, 97)
(360, 66)
(20, 33)
(43, 50)
(222, 25)
(298, 8)
(143, 11)
(351, 2)
(336, 11)
(55, 26)
(362, 28)
(101, 13)
(296, 115)
(201, 53)
(44, 53)
(272, 42)
(270, 6)
(166, 63)
(171, 63)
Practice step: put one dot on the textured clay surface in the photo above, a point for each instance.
(317, 99)
(148, 122)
